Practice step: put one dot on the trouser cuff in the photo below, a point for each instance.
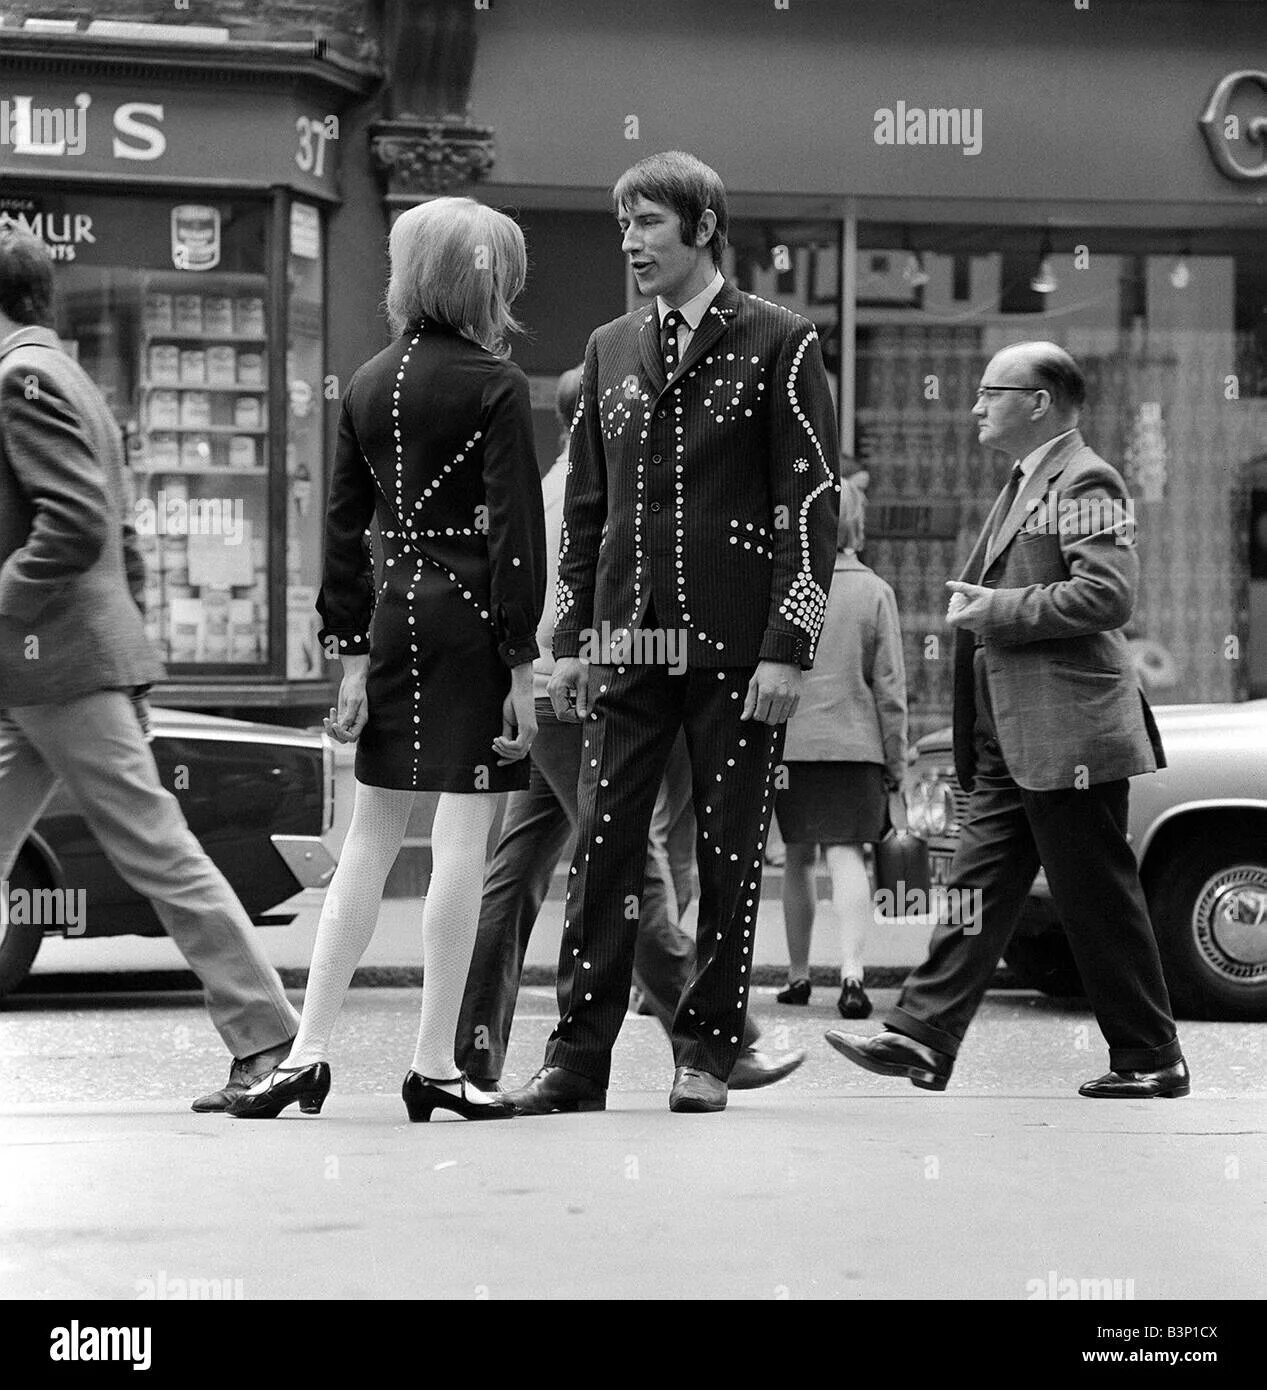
(716, 1061)
(572, 1058)
(1145, 1058)
(899, 1021)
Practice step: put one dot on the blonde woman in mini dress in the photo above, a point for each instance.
(436, 443)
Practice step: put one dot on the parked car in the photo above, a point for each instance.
(1199, 831)
(258, 797)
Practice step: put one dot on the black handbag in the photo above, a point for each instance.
(901, 869)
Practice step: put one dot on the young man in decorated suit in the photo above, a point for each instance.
(698, 542)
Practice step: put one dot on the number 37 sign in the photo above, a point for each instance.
(313, 134)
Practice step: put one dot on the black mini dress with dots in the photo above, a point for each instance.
(435, 445)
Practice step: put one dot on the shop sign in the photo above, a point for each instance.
(61, 232)
(1225, 129)
(185, 134)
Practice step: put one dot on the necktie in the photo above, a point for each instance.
(1005, 506)
(668, 340)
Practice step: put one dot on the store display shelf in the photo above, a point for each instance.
(156, 468)
(147, 385)
(258, 430)
(174, 335)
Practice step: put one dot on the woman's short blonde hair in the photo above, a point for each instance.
(459, 262)
(851, 531)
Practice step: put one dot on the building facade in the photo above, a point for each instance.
(925, 183)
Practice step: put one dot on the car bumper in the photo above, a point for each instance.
(307, 857)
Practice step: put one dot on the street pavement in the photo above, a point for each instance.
(834, 1184)
(397, 941)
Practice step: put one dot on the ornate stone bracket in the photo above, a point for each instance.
(428, 157)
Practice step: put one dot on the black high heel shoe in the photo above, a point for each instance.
(422, 1096)
(308, 1085)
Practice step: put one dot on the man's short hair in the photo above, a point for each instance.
(1054, 369)
(679, 181)
(26, 278)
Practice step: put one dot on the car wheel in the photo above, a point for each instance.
(1045, 962)
(20, 944)
(1209, 908)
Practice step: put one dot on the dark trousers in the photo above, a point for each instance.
(637, 713)
(1079, 837)
(534, 832)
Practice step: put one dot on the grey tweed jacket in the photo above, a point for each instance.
(70, 573)
(1067, 702)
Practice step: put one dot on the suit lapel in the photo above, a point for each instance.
(1035, 487)
(718, 317)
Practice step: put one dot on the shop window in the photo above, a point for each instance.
(166, 302)
(1173, 347)
(796, 264)
(305, 440)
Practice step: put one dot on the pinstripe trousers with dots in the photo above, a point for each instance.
(635, 715)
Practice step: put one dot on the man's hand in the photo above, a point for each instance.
(969, 604)
(773, 692)
(569, 689)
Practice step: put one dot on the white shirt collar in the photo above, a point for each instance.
(694, 309)
(1032, 459)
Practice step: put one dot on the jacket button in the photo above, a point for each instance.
(657, 458)
(660, 414)
(655, 506)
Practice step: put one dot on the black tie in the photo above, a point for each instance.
(668, 340)
(1005, 506)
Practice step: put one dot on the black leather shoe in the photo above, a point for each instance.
(797, 992)
(696, 1092)
(308, 1085)
(556, 1090)
(853, 1001)
(243, 1074)
(753, 1069)
(423, 1096)
(1140, 1085)
(894, 1054)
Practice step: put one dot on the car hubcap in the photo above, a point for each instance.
(1230, 922)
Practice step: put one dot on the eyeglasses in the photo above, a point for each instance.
(990, 393)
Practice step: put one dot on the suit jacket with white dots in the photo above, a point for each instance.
(713, 494)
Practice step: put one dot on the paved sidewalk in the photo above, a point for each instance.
(398, 942)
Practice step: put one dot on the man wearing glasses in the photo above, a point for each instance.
(1049, 723)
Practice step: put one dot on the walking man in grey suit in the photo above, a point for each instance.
(73, 654)
(1049, 724)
